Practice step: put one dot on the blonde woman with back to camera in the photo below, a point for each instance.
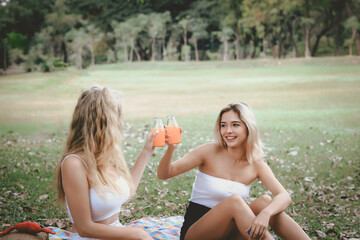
(93, 179)
(217, 207)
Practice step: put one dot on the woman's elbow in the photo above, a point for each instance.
(84, 231)
(162, 176)
(289, 200)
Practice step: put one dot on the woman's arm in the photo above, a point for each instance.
(281, 198)
(191, 160)
(141, 162)
(76, 187)
(278, 204)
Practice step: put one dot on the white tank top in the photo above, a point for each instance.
(103, 208)
(209, 191)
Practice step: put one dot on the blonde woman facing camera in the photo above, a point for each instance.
(217, 208)
(93, 179)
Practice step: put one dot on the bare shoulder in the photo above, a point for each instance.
(259, 164)
(72, 164)
(74, 173)
(261, 167)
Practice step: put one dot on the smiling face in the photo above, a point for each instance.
(233, 131)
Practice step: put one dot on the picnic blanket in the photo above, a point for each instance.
(158, 228)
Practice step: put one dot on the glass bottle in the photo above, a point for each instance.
(159, 140)
(173, 130)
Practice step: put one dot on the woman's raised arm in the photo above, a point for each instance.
(191, 160)
(141, 162)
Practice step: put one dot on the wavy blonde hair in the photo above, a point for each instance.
(254, 145)
(95, 135)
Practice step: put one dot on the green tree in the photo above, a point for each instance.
(225, 35)
(78, 39)
(232, 11)
(154, 26)
(186, 24)
(121, 31)
(166, 22)
(60, 21)
(24, 17)
(137, 24)
(353, 22)
(103, 13)
(173, 42)
(198, 32)
(95, 35)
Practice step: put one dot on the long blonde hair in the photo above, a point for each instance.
(95, 135)
(254, 145)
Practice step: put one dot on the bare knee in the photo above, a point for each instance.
(236, 202)
(260, 203)
(265, 199)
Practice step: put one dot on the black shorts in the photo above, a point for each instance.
(194, 212)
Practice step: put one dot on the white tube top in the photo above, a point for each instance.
(209, 191)
(103, 207)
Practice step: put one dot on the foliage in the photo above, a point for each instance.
(16, 40)
(161, 30)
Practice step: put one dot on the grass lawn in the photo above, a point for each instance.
(308, 112)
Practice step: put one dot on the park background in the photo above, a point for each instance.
(295, 62)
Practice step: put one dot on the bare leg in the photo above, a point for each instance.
(220, 221)
(282, 224)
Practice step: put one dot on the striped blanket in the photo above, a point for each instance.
(158, 228)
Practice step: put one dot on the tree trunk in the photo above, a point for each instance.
(165, 56)
(255, 45)
(91, 48)
(273, 48)
(237, 46)
(306, 30)
(185, 43)
(292, 28)
(64, 51)
(125, 53)
(4, 49)
(355, 37)
(280, 44)
(196, 50)
(226, 50)
(153, 49)
(78, 62)
(126, 58)
(137, 54)
(318, 37)
(354, 31)
(337, 47)
(131, 53)
(263, 50)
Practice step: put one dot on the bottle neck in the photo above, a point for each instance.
(158, 124)
(171, 121)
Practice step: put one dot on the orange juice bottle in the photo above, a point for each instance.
(159, 140)
(173, 130)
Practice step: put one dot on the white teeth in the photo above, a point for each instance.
(231, 137)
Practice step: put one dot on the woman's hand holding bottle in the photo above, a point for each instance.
(169, 134)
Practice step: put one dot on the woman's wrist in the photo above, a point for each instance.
(267, 212)
(172, 147)
(147, 152)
